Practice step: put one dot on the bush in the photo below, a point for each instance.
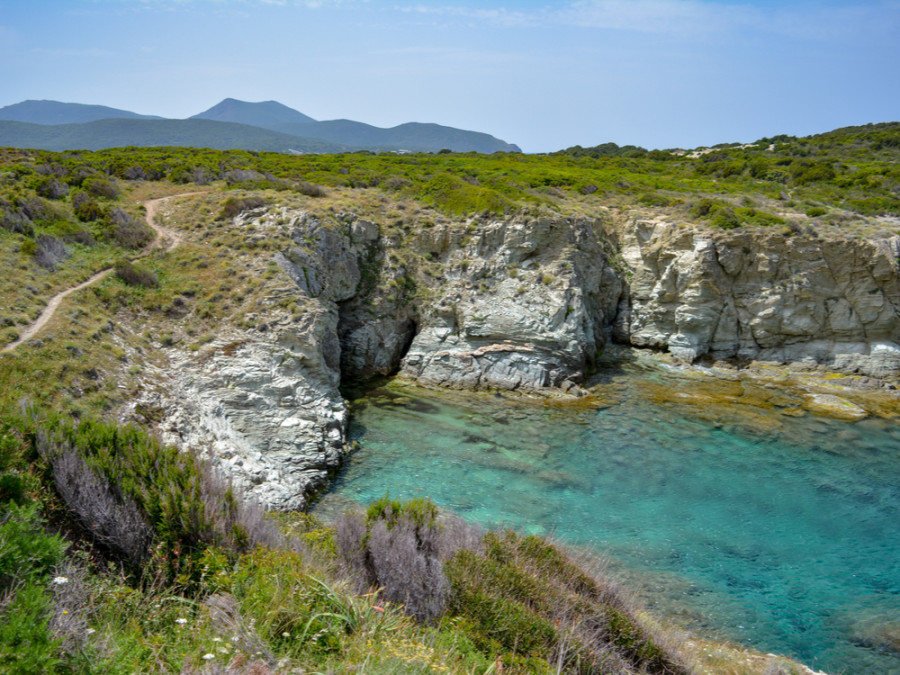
(112, 518)
(14, 220)
(26, 645)
(517, 598)
(805, 172)
(702, 207)
(128, 232)
(14, 483)
(27, 556)
(395, 183)
(52, 189)
(455, 196)
(85, 208)
(725, 218)
(654, 199)
(136, 275)
(234, 206)
(400, 547)
(101, 187)
(309, 189)
(49, 251)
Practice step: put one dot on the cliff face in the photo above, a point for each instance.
(518, 305)
(263, 402)
(764, 297)
(512, 304)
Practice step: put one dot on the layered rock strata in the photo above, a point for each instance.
(758, 296)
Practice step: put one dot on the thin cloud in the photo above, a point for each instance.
(658, 16)
(498, 16)
(686, 18)
(455, 54)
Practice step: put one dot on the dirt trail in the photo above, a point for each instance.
(165, 239)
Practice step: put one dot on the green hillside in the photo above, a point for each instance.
(55, 112)
(412, 137)
(198, 133)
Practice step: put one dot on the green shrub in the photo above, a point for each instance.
(654, 199)
(804, 172)
(136, 275)
(26, 645)
(518, 597)
(27, 557)
(14, 480)
(725, 218)
(702, 207)
(87, 209)
(127, 231)
(29, 554)
(101, 187)
(455, 196)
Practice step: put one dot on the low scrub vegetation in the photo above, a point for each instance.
(122, 555)
(234, 206)
(136, 275)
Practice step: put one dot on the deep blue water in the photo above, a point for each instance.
(778, 533)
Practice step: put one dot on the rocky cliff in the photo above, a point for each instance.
(758, 296)
(516, 304)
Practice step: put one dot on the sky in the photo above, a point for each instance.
(543, 75)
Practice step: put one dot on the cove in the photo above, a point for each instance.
(735, 522)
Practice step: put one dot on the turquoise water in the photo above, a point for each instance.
(787, 540)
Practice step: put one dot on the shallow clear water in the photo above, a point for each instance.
(788, 540)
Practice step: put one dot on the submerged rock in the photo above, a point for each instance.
(834, 406)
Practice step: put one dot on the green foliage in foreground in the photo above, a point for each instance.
(220, 588)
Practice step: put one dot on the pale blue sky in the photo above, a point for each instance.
(545, 75)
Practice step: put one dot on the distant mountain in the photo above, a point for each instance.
(54, 112)
(267, 125)
(412, 136)
(266, 114)
(114, 133)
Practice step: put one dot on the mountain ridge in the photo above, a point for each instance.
(258, 121)
(45, 111)
(112, 133)
(265, 114)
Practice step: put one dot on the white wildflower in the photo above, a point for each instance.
(208, 656)
(59, 581)
(181, 621)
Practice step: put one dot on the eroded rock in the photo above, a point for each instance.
(758, 296)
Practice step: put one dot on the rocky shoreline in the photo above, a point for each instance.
(527, 305)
